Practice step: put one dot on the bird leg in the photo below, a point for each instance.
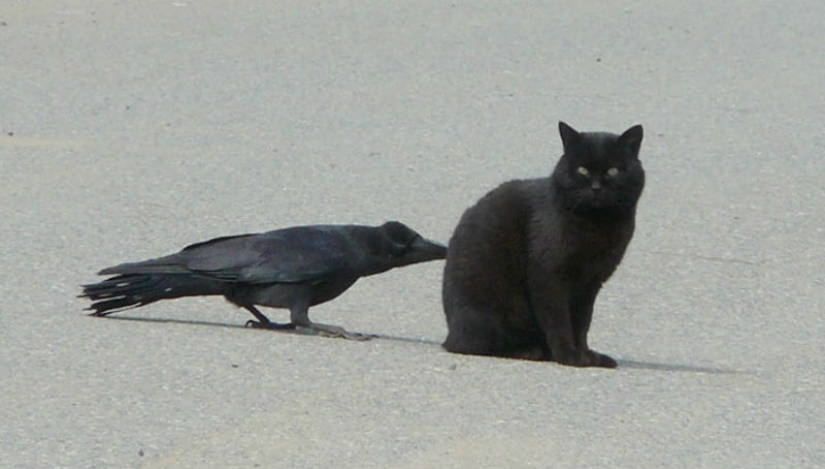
(299, 315)
(263, 322)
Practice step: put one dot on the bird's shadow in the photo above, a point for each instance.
(190, 322)
(623, 363)
(195, 322)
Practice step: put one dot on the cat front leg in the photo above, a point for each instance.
(565, 328)
(581, 315)
(552, 314)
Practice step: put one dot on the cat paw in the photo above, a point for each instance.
(601, 360)
(573, 358)
(586, 359)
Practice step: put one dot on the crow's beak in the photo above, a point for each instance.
(423, 250)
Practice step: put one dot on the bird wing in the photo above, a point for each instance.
(291, 255)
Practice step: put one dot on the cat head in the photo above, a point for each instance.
(600, 173)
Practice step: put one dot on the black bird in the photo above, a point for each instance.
(292, 268)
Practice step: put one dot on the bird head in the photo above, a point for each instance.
(404, 246)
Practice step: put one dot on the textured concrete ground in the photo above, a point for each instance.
(130, 129)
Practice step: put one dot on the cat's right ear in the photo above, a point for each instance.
(569, 135)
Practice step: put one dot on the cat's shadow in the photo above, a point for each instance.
(623, 363)
(672, 367)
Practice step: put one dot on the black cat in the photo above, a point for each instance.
(526, 262)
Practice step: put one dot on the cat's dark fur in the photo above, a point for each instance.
(526, 262)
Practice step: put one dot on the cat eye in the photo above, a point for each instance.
(583, 171)
(612, 172)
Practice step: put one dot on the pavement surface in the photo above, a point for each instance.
(131, 129)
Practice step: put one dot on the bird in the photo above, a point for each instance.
(293, 268)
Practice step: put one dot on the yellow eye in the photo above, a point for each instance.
(612, 172)
(583, 171)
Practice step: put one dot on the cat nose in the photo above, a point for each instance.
(596, 186)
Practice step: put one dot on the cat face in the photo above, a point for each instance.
(599, 172)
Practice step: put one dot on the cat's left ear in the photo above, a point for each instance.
(632, 138)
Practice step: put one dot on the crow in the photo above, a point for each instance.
(292, 268)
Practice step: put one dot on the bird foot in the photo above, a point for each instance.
(322, 330)
(269, 325)
(327, 330)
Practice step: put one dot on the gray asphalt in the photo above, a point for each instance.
(130, 129)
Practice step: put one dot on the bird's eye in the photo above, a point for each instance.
(583, 171)
(612, 172)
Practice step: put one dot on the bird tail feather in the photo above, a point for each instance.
(162, 265)
(134, 290)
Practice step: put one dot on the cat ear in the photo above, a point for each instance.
(569, 135)
(632, 138)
